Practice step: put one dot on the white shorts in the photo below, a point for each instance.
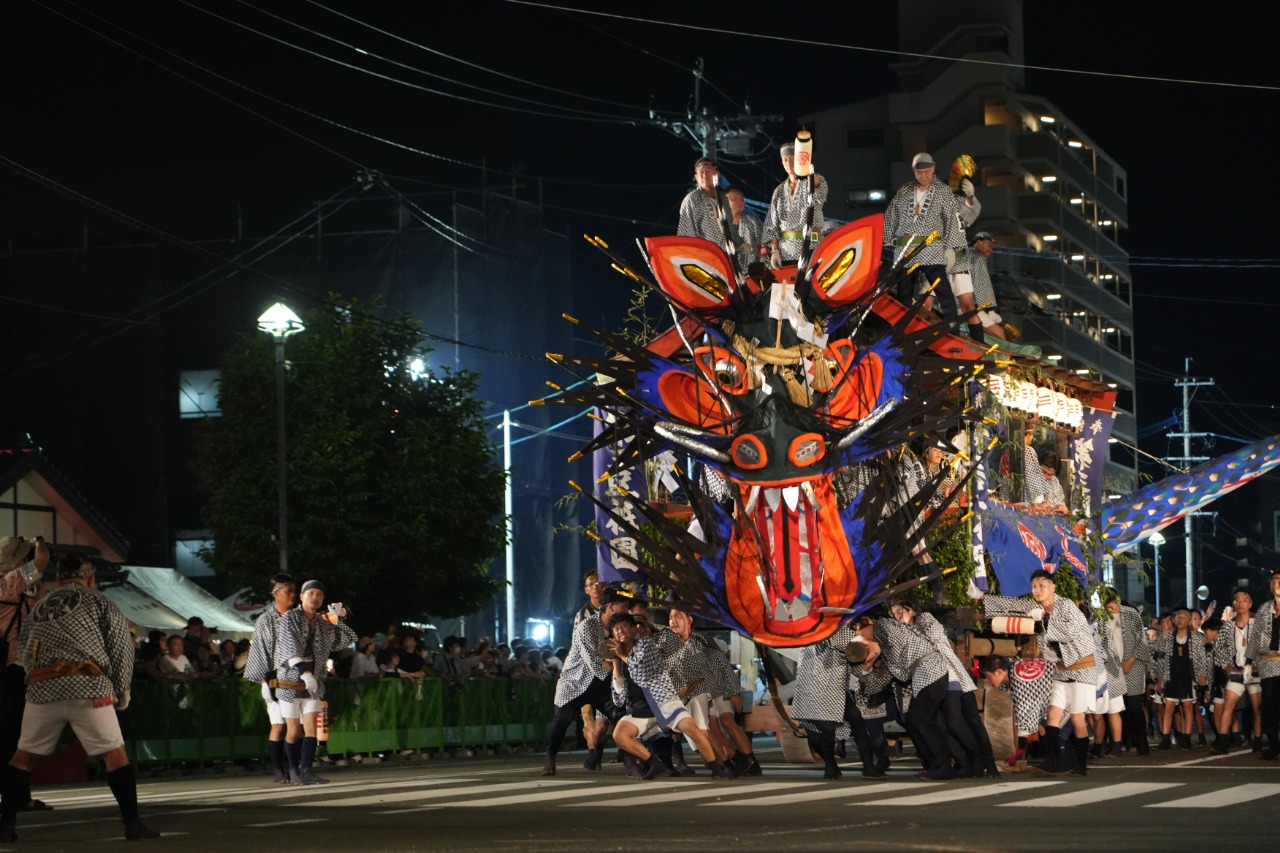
(721, 706)
(645, 726)
(1111, 705)
(273, 712)
(296, 709)
(1072, 697)
(700, 709)
(1240, 689)
(1170, 700)
(961, 283)
(97, 728)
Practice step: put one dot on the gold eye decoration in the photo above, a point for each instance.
(699, 277)
(842, 264)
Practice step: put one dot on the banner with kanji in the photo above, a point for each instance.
(616, 553)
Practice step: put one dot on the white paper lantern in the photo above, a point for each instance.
(1062, 408)
(1046, 403)
(1075, 413)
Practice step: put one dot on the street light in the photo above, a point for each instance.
(1156, 541)
(279, 322)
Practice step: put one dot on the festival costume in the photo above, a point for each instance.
(702, 216)
(261, 668)
(747, 235)
(787, 214)
(973, 263)
(303, 647)
(78, 656)
(912, 660)
(963, 720)
(823, 705)
(907, 225)
(582, 682)
(1264, 650)
(1067, 642)
(17, 596)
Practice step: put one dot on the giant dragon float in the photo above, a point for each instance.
(778, 403)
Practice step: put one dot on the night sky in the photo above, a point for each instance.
(89, 105)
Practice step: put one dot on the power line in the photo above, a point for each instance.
(887, 52)
(467, 63)
(586, 116)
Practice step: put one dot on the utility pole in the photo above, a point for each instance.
(710, 134)
(1186, 383)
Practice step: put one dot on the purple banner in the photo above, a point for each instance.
(1089, 453)
(616, 554)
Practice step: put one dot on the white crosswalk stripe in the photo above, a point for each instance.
(546, 796)
(687, 791)
(391, 797)
(951, 793)
(841, 792)
(1225, 797)
(1085, 796)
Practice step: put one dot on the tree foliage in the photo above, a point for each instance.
(395, 498)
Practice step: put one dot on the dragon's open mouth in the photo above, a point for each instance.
(789, 557)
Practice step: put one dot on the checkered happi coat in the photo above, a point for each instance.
(79, 624)
(292, 642)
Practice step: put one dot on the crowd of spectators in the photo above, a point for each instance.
(198, 653)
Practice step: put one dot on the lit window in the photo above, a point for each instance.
(1048, 179)
(1049, 238)
(198, 394)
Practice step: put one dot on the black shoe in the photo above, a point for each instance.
(718, 770)
(742, 762)
(654, 768)
(136, 830)
(683, 769)
(591, 762)
(1202, 741)
(754, 768)
(939, 774)
(549, 769)
(1166, 742)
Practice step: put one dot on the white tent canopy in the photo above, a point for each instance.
(143, 610)
(183, 598)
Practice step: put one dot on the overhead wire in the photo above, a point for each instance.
(468, 63)
(567, 112)
(411, 149)
(888, 52)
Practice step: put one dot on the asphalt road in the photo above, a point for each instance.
(475, 804)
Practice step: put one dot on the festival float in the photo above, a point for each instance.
(752, 460)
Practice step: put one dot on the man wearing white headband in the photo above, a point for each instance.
(308, 638)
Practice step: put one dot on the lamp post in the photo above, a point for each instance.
(1156, 541)
(279, 322)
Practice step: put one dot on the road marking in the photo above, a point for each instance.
(684, 791)
(1224, 797)
(288, 822)
(310, 791)
(844, 791)
(546, 796)
(1085, 796)
(950, 793)
(1194, 761)
(416, 796)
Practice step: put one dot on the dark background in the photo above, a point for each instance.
(154, 127)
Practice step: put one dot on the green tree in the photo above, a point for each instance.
(395, 498)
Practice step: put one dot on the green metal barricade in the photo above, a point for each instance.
(225, 720)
